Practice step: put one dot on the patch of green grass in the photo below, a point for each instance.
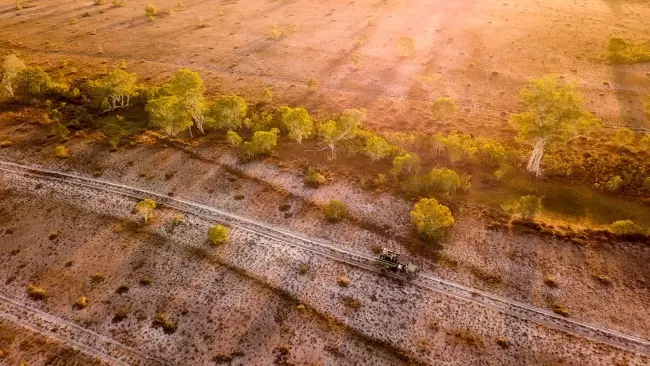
(566, 202)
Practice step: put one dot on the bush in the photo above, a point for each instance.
(377, 148)
(227, 112)
(81, 302)
(431, 218)
(624, 137)
(442, 179)
(218, 234)
(151, 11)
(406, 47)
(625, 227)
(145, 208)
(161, 321)
(614, 184)
(118, 3)
(233, 138)
(314, 178)
(405, 165)
(344, 281)
(621, 52)
(36, 293)
(526, 207)
(297, 122)
(32, 82)
(61, 152)
(443, 108)
(262, 143)
(336, 210)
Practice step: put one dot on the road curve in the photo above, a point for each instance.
(518, 309)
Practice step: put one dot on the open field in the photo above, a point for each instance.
(502, 147)
(480, 52)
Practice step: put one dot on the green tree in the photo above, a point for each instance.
(431, 218)
(336, 210)
(377, 148)
(145, 208)
(233, 138)
(343, 128)
(11, 66)
(460, 148)
(554, 113)
(218, 234)
(443, 107)
(297, 121)
(188, 87)
(624, 137)
(113, 91)
(405, 165)
(31, 82)
(227, 113)
(168, 113)
(179, 104)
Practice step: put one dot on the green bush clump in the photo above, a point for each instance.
(336, 210)
(625, 227)
(218, 234)
(621, 52)
(314, 178)
(431, 218)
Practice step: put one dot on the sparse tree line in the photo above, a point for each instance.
(554, 116)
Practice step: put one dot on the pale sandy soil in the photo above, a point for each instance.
(223, 311)
(21, 345)
(520, 262)
(481, 52)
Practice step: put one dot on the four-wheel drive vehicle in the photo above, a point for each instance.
(389, 260)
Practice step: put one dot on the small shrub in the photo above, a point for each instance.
(61, 152)
(97, 277)
(351, 302)
(502, 342)
(145, 281)
(161, 321)
(303, 268)
(467, 337)
(202, 23)
(118, 3)
(561, 310)
(122, 289)
(151, 10)
(336, 210)
(406, 47)
(5, 143)
(98, 2)
(614, 184)
(81, 302)
(233, 138)
(120, 314)
(146, 208)
(344, 281)
(622, 52)
(275, 33)
(527, 207)
(314, 178)
(443, 108)
(624, 137)
(625, 227)
(313, 84)
(218, 234)
(36, 293)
